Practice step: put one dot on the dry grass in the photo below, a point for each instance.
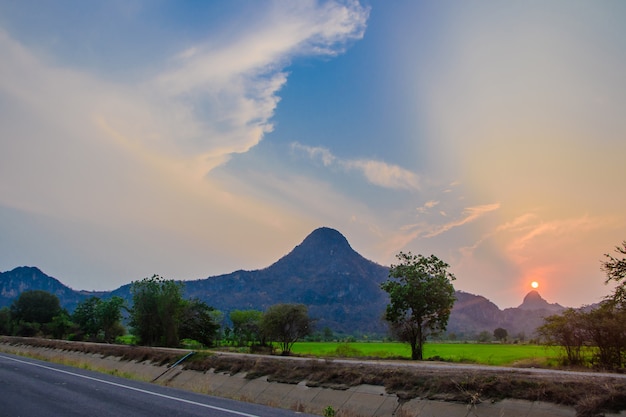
(591, 396)
(125, 352)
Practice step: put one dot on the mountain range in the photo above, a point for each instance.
(340, 287)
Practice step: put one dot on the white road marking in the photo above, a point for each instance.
(156, 394)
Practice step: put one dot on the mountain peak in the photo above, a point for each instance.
(327, 238)
(322, 245)
(534, 301)
(324, 249)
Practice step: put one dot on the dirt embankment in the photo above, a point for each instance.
(589, 395)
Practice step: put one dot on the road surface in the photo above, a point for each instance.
(34, 388)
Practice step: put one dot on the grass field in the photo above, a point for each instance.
(488, 354)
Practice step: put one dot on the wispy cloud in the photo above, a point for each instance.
(528, 232)
(470, 214)
(376, 172)
(427, 206)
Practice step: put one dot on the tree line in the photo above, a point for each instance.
(159, 316)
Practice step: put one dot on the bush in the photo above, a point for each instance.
(344, 350)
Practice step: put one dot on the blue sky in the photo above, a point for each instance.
(192, 139)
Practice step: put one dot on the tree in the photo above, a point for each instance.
(99, 320)
(601, 331)
(5, 321)
(566, 330)
(421, 299)
(246, 326)
(156, 312)
(36, 306)
(84, 316)
(109, 318)
(60, 325)
(484, 337)
(285, 324)
(197, 322)
(605, 329)
(615, 270)
(327, 334)
(32, 310)
(500, 334)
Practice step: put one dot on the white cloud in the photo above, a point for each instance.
(122, 158)
(231, 88)
(323, 154)
(427, 206)
(376, 172)
(385, 175)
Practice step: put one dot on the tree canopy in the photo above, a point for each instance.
(246, 326)
(157, 308)
(286, 324)
(34, 311)
(500, 334)
(99, 320)
(615, 269)
(197, 322)
(421, 299)
(36, 306)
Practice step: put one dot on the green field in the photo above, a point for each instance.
(488, 354)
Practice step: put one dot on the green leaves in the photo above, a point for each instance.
(286, 323)
(156, 312)
(246, 326)
(100, 320)
(421, 298)
(197, 322)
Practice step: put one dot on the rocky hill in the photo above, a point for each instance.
(473, 314)
(23, 278)
(340, 287)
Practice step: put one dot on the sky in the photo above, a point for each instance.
(192, 139)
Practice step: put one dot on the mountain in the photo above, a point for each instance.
(24, 278)
(340, 287)
(473, 314)
(534, 301)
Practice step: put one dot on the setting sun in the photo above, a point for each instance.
(534, 284)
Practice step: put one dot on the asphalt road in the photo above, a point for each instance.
(34, 388)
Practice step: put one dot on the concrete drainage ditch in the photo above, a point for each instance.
(359, 401)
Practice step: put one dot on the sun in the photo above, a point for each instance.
(534, 284)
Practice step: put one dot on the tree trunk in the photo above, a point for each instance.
(416, 350)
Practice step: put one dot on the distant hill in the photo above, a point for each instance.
(24, 278)
(473, 314)
(340, 287)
